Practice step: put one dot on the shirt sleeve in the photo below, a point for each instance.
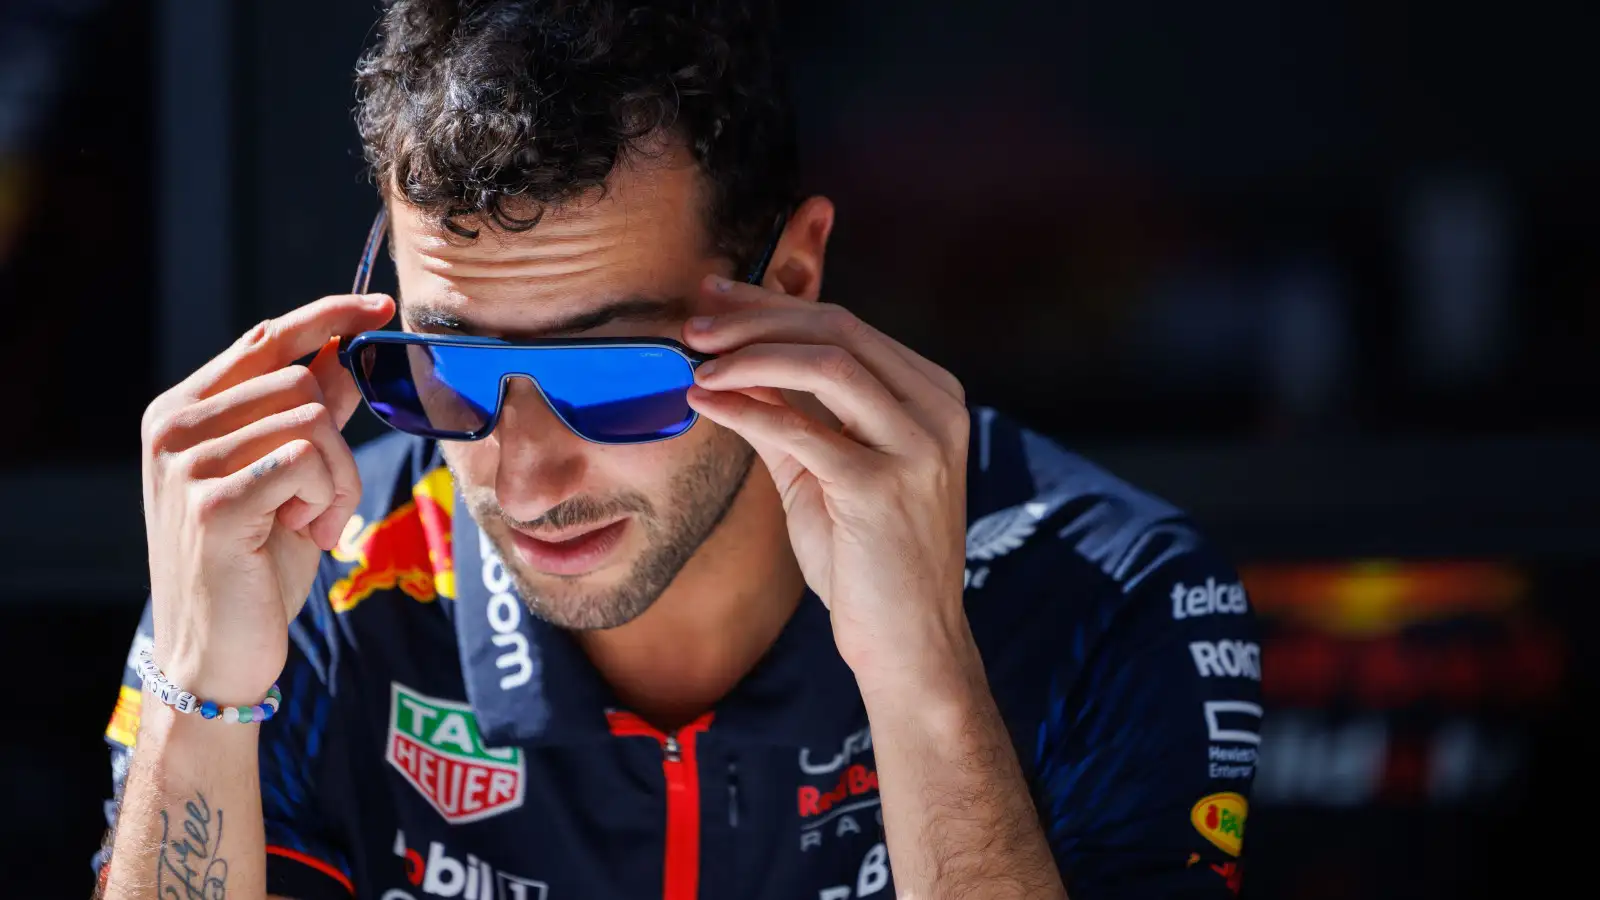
(1147, 754)
(305, 857)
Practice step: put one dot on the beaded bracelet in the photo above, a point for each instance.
(185, 702)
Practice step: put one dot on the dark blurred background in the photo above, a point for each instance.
(1324, 273)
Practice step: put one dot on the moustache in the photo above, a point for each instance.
(573, 512)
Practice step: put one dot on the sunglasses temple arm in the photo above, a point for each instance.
(759, 272)
(369, 253)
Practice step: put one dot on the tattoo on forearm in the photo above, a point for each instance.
(189, 867)
(263, 466)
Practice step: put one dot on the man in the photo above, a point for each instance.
(806, 628)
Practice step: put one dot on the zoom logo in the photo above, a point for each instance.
(505, 617)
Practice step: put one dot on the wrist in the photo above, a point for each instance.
(162, 727)
(212, 680)
(938, 677)
(172, 695)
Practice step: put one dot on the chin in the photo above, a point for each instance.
(588, 602)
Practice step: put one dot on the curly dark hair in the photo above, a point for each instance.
(466, 105)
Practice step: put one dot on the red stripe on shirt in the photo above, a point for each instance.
(327, 869)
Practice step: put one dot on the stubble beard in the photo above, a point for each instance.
(700, 496)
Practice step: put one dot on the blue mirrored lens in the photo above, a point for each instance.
(615, 394)
(609, 394)
(405, 388)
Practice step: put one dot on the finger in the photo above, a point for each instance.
(338, 386)
(831, 457)
(312, 422)
(743, 310)
(226, 412)
(276, 343)
(830, 373)
(811, 324)
(290, 483)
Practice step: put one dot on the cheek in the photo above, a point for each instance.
(650, 469)
(472, 463)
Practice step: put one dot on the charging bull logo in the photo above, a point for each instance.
(409, 549)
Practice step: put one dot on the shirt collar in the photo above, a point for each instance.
(529, 682)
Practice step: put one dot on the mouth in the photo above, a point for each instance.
(574, 551)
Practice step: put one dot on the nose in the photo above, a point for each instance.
(541, 462)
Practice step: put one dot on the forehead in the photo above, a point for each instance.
(643, 236)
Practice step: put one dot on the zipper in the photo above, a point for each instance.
(680, 875)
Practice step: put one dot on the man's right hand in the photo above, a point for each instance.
(247, 480)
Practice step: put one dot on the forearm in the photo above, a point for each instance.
(189, 825)
(956, 808)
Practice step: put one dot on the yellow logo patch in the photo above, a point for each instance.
(1220, 819)
(124, 724)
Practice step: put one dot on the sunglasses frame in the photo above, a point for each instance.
(349, 348)
(350, 344)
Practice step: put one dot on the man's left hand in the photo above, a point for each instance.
(876, 504)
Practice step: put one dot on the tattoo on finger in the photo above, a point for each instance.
(263, 466)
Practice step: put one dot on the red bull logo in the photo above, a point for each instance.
(409, 549)
(853, 782)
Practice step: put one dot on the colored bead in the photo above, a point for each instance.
(185, 702)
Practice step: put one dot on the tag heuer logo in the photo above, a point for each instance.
(435, 744)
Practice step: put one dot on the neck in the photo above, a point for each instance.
(714, 622)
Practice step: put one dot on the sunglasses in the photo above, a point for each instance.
(451, 387)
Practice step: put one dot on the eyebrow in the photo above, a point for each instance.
(636, 309)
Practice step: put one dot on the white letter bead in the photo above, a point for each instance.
(186, 702)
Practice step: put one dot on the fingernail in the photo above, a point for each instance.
(700, 323)
(705, 368)
(721, 285)
(376, 301)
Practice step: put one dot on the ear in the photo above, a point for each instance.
(796, 267)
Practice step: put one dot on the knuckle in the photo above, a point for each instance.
(209, 504)
(258, 335)
(806, 430)
(350, 496)
(958, 389)
(302, 382)
(958, 420)
(155, 425)
(838, 364)
(190, 465)
(321, 416)
(296, 452)
(311, 416)
(842, 321)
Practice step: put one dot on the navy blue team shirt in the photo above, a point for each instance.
(437, 740)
